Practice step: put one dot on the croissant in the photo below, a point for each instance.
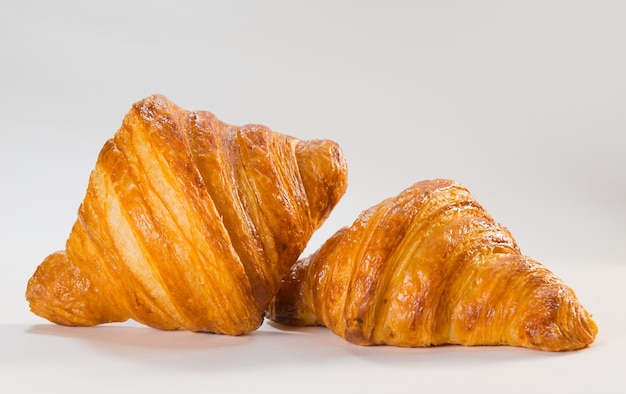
(188, 223)
(431, 267)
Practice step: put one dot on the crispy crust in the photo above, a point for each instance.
(431, 267)
(188, 222)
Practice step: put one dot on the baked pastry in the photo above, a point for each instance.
(431, 267)
(188, 222)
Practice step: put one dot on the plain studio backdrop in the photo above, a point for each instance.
(523, 102)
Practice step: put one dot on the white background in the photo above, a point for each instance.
(522, 102)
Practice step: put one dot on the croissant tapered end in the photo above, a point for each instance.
(324, 175)
(59, 292)
(431, 267)
(188, 222)
(554, 319)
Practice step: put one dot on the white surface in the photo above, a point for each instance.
(522, 102)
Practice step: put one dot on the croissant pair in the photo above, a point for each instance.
(192, 223)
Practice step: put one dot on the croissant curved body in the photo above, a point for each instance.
(431, 267)
(188, 222)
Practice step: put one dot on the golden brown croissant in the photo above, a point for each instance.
(188, 222)
(431, 267)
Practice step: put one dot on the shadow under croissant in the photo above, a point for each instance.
(131, 336)
(433, 355)
(273, 344)
(186, 350)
